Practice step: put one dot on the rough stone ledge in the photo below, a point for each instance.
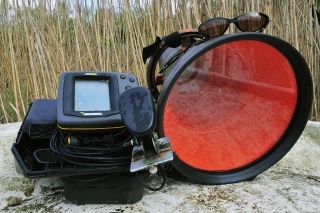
(292, 185)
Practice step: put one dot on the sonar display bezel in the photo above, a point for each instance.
(69, 119)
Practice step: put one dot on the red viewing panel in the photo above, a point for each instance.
(230, 106)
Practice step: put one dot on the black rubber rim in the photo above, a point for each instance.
(291, 134)
(153, 61)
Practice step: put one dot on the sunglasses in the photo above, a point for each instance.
(247, 22)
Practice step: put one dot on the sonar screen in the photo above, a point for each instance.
(91, 95)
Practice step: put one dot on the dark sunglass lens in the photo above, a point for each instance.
(213, 27)
(251, 22)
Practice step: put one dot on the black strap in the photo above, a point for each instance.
(148, 51)
(172, 40)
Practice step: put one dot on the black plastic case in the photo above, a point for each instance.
(124, 188)
(35, 159)
(41, 119)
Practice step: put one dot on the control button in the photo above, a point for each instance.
(122, 76)
(131, 80)
(128, 87)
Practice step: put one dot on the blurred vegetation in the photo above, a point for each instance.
(39, 40)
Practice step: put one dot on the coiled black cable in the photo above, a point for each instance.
(100, 152)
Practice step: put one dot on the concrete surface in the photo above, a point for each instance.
(292, 185)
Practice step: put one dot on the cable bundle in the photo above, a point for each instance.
(99, 150)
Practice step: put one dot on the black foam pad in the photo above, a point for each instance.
(137, 111)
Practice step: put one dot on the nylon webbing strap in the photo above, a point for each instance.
(172, 40)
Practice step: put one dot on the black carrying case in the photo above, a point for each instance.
(82, 184)
(122, 188)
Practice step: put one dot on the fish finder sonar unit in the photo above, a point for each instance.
(88, 101)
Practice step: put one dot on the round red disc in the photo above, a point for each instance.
(230, 106)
